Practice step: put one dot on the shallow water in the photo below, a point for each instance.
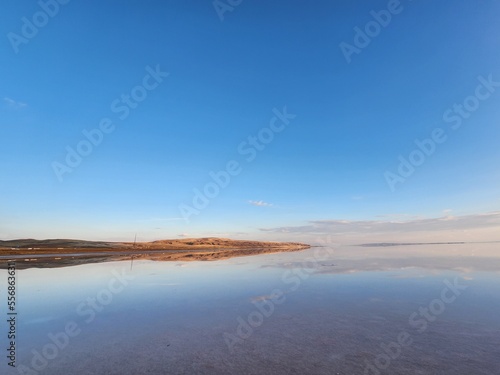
(320, 311)
(89, 253)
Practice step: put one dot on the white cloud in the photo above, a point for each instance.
(468, 227)
(399, 217)
(260, 203)
(11, 103)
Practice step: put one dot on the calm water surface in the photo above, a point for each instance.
(343, 310)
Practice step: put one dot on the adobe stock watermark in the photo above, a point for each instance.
(223, 6)
(87, 311)
(249, 149)
(454, 115)
(265, 306)
(420, 320)
(122, 107)
(31, 26)
(364, 36)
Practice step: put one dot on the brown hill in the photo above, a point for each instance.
(63, 252)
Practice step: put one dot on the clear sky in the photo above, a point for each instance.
(333, 95)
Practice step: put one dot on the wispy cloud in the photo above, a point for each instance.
(445, 223)
(160, 219)
(399, 217)
(260, 203)
(11, 103)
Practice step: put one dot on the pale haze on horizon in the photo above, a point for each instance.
(348, 122)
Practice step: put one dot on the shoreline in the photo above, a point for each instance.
(42, 254)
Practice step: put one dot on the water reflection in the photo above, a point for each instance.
(335, 313)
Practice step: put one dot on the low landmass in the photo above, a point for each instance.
(387, 244)
(30, 253)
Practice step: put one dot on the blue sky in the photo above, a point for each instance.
(225, 78)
